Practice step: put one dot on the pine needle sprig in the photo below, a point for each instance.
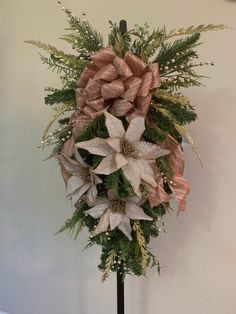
(178, 52)
(74, 224)
(178, 99)
(190, 31)
(145, 46)
(86, 40)
(60, 96)
(58, 112)
(67, 59)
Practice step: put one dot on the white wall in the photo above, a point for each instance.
(41, 273)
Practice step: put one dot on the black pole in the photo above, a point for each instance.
(120, 281)
(123, 26)
(120, 294)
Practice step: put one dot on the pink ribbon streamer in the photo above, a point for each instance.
(156, 195)
(177, 183)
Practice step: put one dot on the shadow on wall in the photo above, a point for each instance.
(234, 1)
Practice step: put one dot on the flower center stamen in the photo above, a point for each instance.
(118, 206)
(86, 175)
(127, 148)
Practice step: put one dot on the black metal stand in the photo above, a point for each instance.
(120, 281)
(120, 294)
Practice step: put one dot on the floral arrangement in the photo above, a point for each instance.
(121, 119)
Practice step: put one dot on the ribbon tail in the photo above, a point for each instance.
(180, 188)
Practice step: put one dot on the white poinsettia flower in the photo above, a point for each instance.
(82, 179)
(124, 149)
(116, 213)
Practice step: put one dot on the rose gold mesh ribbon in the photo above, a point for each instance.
(122, 83)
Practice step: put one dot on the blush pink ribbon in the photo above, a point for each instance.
(177, 183)
(124, 84)
(156, 195)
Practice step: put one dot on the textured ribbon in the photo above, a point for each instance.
(122, 83)
(156, 195)
(177, 183)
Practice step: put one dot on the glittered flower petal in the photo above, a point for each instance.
(146, 171)
(96, 146)
(68, 147)
(92, 194)
(149, 151)
(131, 172)
(75, 197)
(103, 224)
(135, 129)
(134, 211)
(73, 184)
(115, 219)
(80, 159)
(115, 143)
(114, 126)
(125, 227)
(108, 165)
(71, 166)
(97, 210)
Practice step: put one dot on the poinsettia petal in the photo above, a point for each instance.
(121, 160)
(71, 166)
(132, 174)
(103, 224)
(139, 200)
(77, 194)
(92, 194)
(115, 143)
(114, 125)
(146, 171)
(73, 184)
(125, 227)
(149, 151)
(107, 166)
(97, 210)
(115, 219)
(96, 146)
(80, 159)
(133, 211)
(135, 129)
(96, 179)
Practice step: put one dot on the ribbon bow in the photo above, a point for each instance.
(122, 83)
